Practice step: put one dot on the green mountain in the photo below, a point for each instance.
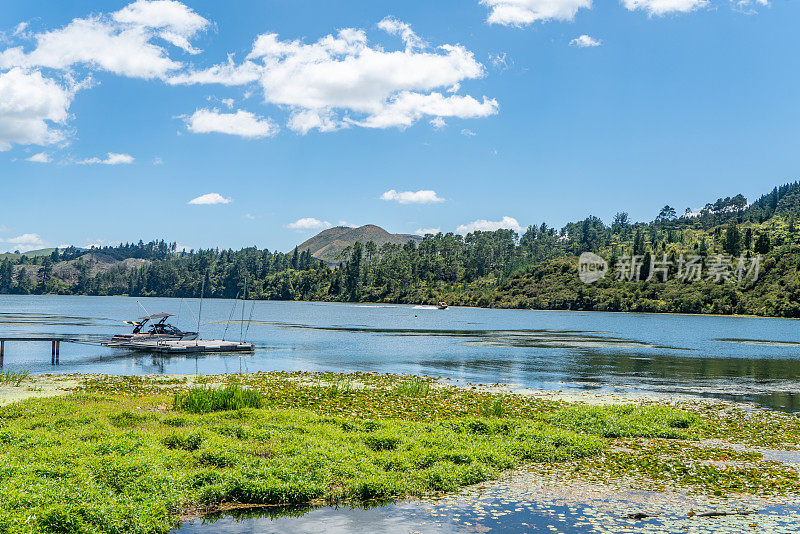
(328, 245)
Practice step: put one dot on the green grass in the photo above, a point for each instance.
(205, 400)
(133, 455)
(416, 387)
(13, 379)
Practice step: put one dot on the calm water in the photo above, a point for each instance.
(747, 359)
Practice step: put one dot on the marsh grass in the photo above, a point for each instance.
(205, 400)
(116, 458)
(492, 408)
(13, 379)
(416, 387)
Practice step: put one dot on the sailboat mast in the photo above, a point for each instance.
(199, 313)
(244, 299)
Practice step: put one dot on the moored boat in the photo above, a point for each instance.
(158, 329)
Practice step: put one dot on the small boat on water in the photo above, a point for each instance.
(442, 306)
(158, 329)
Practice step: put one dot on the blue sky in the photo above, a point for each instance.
(410, 115)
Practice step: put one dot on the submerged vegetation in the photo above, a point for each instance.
(131, 454)
(537, 269)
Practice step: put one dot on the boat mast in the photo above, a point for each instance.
(199, 313)
(244, 299)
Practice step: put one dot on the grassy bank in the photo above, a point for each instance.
(127, 454)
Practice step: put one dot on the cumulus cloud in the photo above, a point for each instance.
(41, 157)
(33, 109)
(242, 123)
(584, 41)
(173, 21)
(112, 158)
(309, 223)
(396, 27)
(482, 225)
(121, 43)
(664, 7)
(412, 197)
(426, 231)
(523, 12)
(210, 199)
(25, 242)
(341, 80)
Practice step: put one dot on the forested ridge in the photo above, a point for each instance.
(538, 269)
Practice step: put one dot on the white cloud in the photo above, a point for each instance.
(112, 158)
(311, 119)
(748, 6)
(407, 107)
(25, 242)
(121, 43)
(663, 7)
(250, 216)
(33, 109)
(241, 123)
(340, 80)
(438, 123)
(522, 12)
(412, 197)
(468, 133)
(158, 161)
(396, 27)
(175, 22)
(41, 157)
(210, 199)
(584, 41)
(129, 42)
(26, 239)
(309, 223)
(426, 231)
(501, 61)
(483, 225)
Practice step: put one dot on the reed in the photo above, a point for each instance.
(205, 400)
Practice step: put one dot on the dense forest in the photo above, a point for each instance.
(538, 269)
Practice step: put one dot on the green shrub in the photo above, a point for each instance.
(126, 419)
(190, 442)
(382, 443)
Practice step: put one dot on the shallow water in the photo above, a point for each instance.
(521, 504)
(738, 358)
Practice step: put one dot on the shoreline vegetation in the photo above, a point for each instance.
(142, 454)
(535, 269)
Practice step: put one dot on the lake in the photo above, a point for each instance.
(738, 358)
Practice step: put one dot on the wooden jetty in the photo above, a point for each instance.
(185, 347)
(55, 342)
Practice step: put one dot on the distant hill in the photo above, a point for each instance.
(328, 244)
(92, 263)
(29, 254)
